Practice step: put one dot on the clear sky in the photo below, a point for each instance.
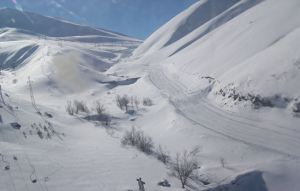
(137, 18)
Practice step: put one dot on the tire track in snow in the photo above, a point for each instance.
(248, 132)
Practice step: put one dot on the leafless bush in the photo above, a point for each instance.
(80, 106)
(119, 102)
(138, 139)
(100, 109)
(70, 108)
(123, 102)
(162, 155)
(184, 165)
(76, 106)
(147, 102)
(222, 161)
(135, 102)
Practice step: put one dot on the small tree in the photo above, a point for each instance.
(138, 139)
(162, 155)
(69, 108)
(126, 102)
(136, 102)
(184, 166)
(100, 109)
(123, 102)
(147, 102)
(80, 106)
(119, 102)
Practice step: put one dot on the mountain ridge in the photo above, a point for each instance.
(244, 34)
(50, 26)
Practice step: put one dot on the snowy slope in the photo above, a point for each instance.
(244, 47)
(233, 72)
(80, 60)
(48, 26)
(78, 154)
(200, 70)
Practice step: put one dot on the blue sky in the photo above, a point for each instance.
(137, 18)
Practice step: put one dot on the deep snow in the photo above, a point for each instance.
(239, 47)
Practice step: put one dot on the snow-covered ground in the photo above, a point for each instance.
(224, 79)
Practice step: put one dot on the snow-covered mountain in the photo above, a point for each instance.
(232, 70)
(46, 49)
(48, 26)
(222, 77)
(248, 48)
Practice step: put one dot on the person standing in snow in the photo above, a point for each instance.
(141, 184)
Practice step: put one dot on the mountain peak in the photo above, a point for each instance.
(48, 26)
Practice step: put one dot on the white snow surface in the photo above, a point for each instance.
(249, 45)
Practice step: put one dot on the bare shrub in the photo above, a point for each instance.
(123, 102)
(76, 106)
(184, 165)
(69, 108)
(80, 106)
(145, 143)
(222, 161)
(129, 137)
(138, 139)
(162, 155)
(100, 109)
(119, 102)
(136, 102)
(147, 102)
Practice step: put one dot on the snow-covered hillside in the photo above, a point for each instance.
(48, 26)
(48, 49)
(221, 77)
(52, 150)
(248, 48)
(232, 70)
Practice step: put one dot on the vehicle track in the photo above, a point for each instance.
(259, 132)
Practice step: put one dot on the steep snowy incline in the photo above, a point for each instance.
(246, 50)
(207, 14)
(235, 75)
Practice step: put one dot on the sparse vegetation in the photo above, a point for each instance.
(135, 102)
(222, 161)
(138, 139)
(162, 155)
(131, 104)
(80, 106)
(184, 165)
(100, 109)
(76, 106)
(43, 130)
(147, 102)
(123, 102)
(70, 108)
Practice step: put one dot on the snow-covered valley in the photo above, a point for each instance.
(220, 80)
